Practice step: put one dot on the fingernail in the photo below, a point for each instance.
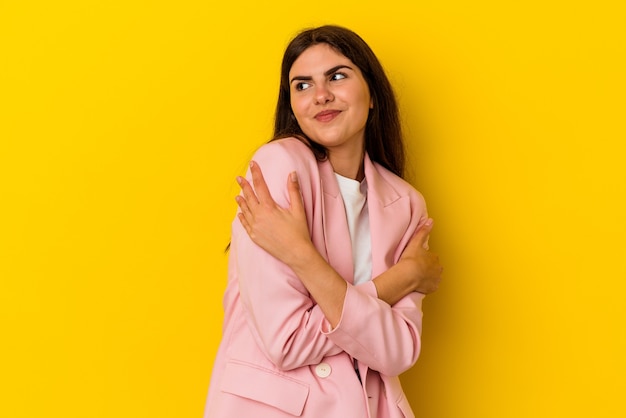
(293, 176)
(252, 163)
(239, 179)
(429, 222)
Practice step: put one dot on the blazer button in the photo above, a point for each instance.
(323, 370)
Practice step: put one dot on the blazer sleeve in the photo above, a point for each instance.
(383, 337)
(283, 318)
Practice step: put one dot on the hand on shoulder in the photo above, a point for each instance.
(281, 231)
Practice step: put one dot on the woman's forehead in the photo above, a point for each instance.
(318, 58)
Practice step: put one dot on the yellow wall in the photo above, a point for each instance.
(123, 124)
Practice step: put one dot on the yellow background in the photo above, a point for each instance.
(124, 123)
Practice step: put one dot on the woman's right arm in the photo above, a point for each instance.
(386, 338)
(282, 232)
(281, 313)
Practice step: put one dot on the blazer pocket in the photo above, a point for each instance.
(265, 386)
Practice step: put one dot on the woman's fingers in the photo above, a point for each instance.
(243, 205)
(295, 198)
(420, 238)
(248, 193)
(244, 222)
(424, 232)
(256, 203)
(262, 191)
(278, 230)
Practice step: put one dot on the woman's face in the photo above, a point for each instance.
(330, 99)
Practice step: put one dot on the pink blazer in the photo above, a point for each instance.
(278, 356)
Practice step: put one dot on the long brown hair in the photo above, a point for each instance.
(383, 134)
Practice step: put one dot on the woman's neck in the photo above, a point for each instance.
(348, 165)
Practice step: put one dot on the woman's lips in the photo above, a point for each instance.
(327, 115)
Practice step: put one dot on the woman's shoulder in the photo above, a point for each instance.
(402, 190)
(280, 157)
(285, 150)
(397, 183)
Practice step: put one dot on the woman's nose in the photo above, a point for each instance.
(323, 94)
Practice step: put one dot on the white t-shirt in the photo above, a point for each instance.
(354, 196)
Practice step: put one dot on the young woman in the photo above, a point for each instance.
(329, 260)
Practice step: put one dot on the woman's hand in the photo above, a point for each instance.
(424, 266)
(417, 270)
(282, 232)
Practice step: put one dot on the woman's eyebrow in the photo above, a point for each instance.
(326, 73)
(337, 67)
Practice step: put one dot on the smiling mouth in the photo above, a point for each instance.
(327, 115)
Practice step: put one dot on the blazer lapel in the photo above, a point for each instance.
(336, 232)
(389, 220)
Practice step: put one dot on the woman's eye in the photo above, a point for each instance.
(302, 86)
(338, 76)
